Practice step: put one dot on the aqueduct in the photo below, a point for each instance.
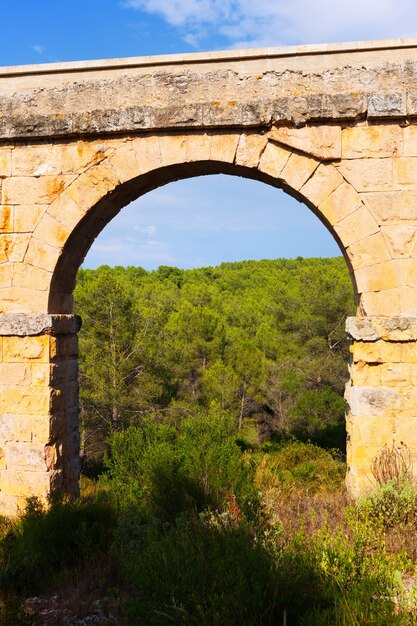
(335, 126)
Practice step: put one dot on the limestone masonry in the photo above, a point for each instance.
(334, 126)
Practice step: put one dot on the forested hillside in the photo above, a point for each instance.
(261, 340)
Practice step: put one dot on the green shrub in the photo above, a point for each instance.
(391, 504)
(164, 470)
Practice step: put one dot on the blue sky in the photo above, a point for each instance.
(207, 220)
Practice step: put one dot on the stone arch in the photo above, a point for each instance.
(96, 179)
(131, 168)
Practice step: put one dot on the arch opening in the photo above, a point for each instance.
(96, 219)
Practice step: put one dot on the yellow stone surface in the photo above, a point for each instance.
(361, 142)
(148, 153)
(92, 185)
(322, 142)
(78, 156)
(198, 147)
(224, 146)
(356, 226)
(37, 160)
(396, 206)
(27, 216)
(368, 251)
(273, 160)
(405, 172)
(320, 186)
(342, 202)
(124, 162)
(32, 189)
(298, 170)
(51, 231)
(249, 149)
(368, 174)
(173, 148)
(6, 219)
(65, 211)
(27, 276)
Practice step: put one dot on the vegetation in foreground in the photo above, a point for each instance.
(184, 527)
(202, 392)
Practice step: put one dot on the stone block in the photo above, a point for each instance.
(26, 276)
(25, 456)
(148, 153)
(15, 374)
(395, 206)
(356, 226)
(386, 302)
(400, 238)
(66, 212)
(24, 349)
(23, 428)
(410, 141)
(124, 162)
(386, 105)
(365, 374)
(173, 149)
(297, 170)
(80, 155)
(92, 185)
(41, 254)
(10, 506)
(41, 428)
(320, 186)
(27, 216)
(37, 160)
(322, 142)
(368, 174)
(6, 274)
(342, 202)
(376, 352)
(366, 429)
(13, 247)
(27, 400)
(41, 374)
(6, 427)
(5, 162)
(198, 147)
(378, 277)
(360, 142)
(367, 252)
(273, 160)
(29, 189)
(23, 483)
(250, 149)
(6, 219)
(17, 299)
(224, 146)
(51, 231)
(405, 172)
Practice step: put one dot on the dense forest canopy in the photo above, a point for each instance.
(261, 340)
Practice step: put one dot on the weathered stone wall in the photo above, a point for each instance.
(354, 165)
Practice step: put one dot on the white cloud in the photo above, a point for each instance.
(276, 22)
(39, 48)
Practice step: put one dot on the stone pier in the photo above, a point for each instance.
(39, 407)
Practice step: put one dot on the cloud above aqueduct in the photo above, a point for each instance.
(245, 23)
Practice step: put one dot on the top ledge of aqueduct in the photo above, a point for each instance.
(295, 85)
